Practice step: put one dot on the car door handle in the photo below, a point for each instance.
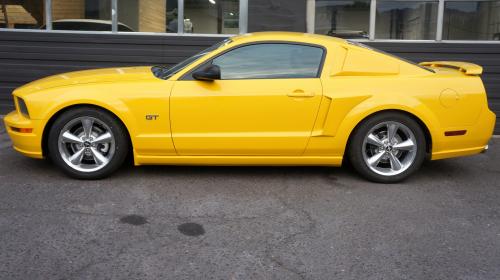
(300, 93)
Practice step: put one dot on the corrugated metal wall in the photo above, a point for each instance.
(29, 56)
(26, 56)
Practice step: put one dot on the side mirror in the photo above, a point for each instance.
(210, 73)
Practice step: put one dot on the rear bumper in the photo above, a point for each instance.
(28, 144)
(485, 149)
(473, 142)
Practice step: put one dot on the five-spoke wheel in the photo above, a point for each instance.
(387, 147)
(87, 143)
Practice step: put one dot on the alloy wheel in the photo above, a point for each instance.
(389, 148)
(86, 144)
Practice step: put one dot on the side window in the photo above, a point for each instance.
(270, 61)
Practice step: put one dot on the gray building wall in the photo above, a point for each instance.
(27, 56)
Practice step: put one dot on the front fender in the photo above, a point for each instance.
(131, 102)
(118, 108)
(65, 97)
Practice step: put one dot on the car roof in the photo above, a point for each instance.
(287, 36)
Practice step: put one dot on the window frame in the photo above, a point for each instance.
(243, 22)
(311, 11)
(189, 77)
(442, 20)
(310, 6)
(437, 27)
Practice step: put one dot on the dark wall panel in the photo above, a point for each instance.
(27, 56)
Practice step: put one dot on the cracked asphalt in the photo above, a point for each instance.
(164, 222)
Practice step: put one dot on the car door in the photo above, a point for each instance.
(264, 104)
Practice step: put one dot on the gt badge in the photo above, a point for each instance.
(152, 117)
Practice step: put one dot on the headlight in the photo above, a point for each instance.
(21, 106)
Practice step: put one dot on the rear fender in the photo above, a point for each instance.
(373, 106)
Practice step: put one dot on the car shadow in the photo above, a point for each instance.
(456, 169)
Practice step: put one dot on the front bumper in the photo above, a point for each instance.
(28, 144)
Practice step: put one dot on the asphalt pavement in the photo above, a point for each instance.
(165, 222)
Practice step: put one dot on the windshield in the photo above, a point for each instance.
(165, 72)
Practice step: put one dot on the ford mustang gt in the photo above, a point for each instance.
(271, 98)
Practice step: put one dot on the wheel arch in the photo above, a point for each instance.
(419, 121)
(55, 115)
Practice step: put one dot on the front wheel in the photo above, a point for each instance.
(387, 147)
(87, 143)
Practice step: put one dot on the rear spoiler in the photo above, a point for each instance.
(466, 67)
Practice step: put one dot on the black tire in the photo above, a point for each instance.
(121, 143)
(355, 147)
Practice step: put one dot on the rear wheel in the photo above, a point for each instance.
(87, 143)
(387, 147)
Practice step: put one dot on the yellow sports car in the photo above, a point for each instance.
(271, 98)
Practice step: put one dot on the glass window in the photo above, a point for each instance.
(343, 18)
(410, 20)
(22, 14)
(277, 15)
(211, 16)
(268, 61)
(471, 20)
(148, 15)
(165, 72)
(88, 15)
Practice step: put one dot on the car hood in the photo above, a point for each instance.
(87, 77)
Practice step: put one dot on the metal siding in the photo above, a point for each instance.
(27, 56)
